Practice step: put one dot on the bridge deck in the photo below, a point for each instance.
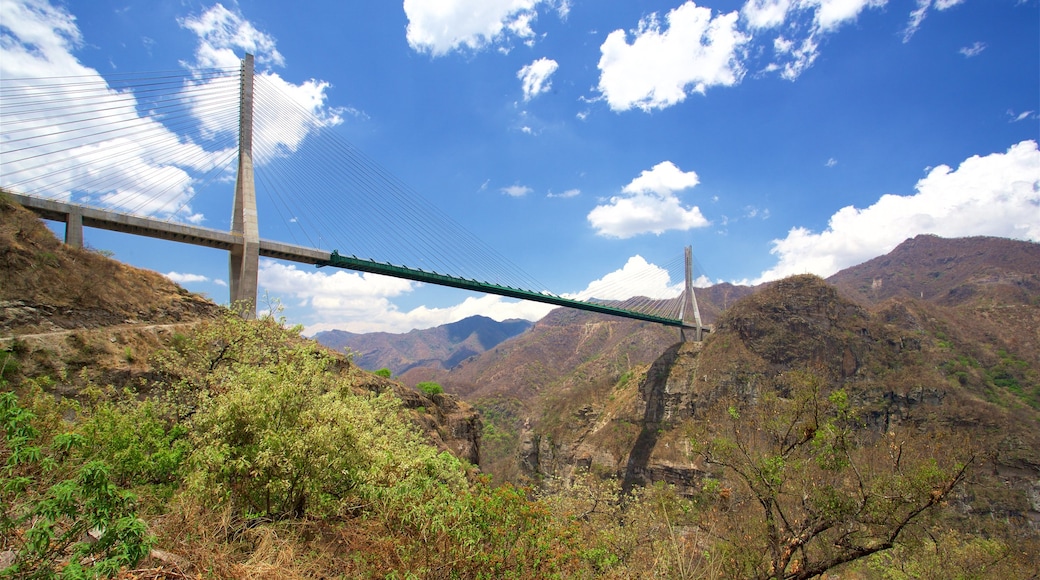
(154, 228)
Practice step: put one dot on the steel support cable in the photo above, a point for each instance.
(130, 150)
(372, 208)
(320, 188)
(81, 141)
(128, 183)
(70, 113)
(274, 186)
(108, 78)
(268, 188)
(22, 97)
(124, 149)
(135, 123)
(189, 192)
(132, 123)
(358, 160)
(366, 182)
(123, 153)
(208, 178)
(26, 94)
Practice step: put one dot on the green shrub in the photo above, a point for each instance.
(48, 503)
(139, 440)
(279, 439)
(430, 388)
(383, 372)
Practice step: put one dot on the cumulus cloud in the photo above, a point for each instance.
(765, 13)
(534, 77)
(636, 278)
(359, 302)
(113, 150)
(516, 190)
(120, 156)
(220, 30)
(663, 65)
(285, 113)
(994, 195)
(830, 14)
(186, 278)
(438, 27)
(649, 204)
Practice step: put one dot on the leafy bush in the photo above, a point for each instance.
(142, 443)
(383, 372)
(430, 388)
(46, 524)
(278, 439)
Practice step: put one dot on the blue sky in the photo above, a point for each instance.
(580, 139)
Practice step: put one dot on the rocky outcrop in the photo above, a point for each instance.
(450, 424)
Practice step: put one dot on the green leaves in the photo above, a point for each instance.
(45, 524)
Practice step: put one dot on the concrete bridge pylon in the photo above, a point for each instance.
(245, 253)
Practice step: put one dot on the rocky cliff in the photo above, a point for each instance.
(895, 363)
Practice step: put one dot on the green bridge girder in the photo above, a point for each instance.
(371, 266)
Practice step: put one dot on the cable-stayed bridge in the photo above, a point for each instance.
(133, 153)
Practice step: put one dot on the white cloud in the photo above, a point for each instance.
(696, 51)
(830, 14)
(995, 195)
(973, 50)
(186, 278)
(516, 190)
(143, 167)
(831, 162)
(220, 31)
(636, 278)
(1021, 116)
(802, 25)
(358, 302)
(663, 179)
(441, 26)
(566, 194)
(918, 14)
(535, 77)
(649, 204)
(284, 113)
(765, 13)
(116, 157)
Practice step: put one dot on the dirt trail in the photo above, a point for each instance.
(118, 327)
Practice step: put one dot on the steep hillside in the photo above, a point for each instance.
(442, 347)
(80, 320)
(947, 272)
(793, 365)
(49, 286)
(567, 356)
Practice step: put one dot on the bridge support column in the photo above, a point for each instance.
(74, 229)
(245, 256)
(691, 315)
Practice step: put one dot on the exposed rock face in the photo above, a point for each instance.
(451, 424)
(888, 361)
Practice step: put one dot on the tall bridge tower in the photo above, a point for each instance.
(245, 252)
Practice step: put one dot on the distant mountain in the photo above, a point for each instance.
(442, 347)
(946, 271)
(541, 392)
